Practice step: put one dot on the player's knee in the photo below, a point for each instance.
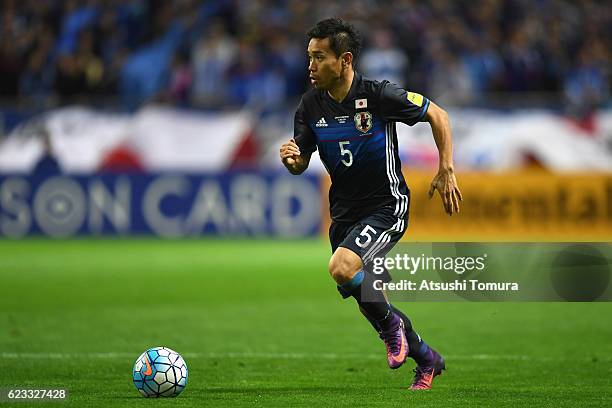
(341, 271)
(343, 268)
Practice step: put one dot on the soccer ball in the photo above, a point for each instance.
(160, 372)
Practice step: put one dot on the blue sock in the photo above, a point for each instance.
(347, 288)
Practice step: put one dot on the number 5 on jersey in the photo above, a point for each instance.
(347, 162)
(365, 233)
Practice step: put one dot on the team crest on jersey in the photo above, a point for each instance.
(363, 121)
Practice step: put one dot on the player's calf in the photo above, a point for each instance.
(345, 268)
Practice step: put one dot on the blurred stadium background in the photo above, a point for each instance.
(148, 88)
(152, 118)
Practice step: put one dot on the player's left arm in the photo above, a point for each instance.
(445, 181)
(398, 104)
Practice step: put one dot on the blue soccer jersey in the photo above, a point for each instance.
(357, 143)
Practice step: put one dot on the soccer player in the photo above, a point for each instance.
(351, 121)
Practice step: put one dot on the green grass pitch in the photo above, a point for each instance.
(260, 324)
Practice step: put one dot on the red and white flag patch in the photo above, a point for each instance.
(361, 103)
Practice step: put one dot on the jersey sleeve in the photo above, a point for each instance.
(399, 105)
(302, 133)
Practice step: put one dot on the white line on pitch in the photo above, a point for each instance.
(273, 355)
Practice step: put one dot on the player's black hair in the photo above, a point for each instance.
(343, 37)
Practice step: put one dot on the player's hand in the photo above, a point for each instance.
(446, 184)
(289, 152)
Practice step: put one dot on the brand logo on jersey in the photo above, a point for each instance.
(321, 123)
(363, 121)
(361, 103)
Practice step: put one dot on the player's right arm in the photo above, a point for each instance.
(295, 154)
(293, 159)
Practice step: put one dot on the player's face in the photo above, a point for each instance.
(324, 67)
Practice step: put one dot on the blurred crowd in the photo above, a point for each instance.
(232, 53)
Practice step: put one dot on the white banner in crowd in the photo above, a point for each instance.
(169, 139)
(164, 139)
(504, 141)
(80, 137)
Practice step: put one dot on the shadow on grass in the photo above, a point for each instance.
(197, 393)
